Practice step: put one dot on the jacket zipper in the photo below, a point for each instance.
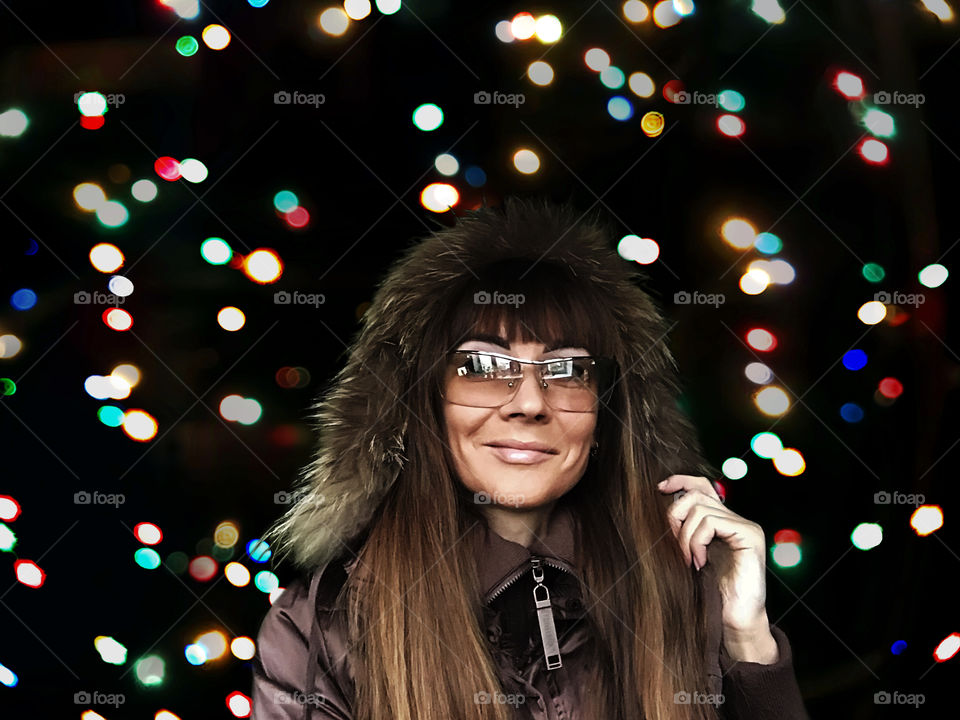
(541, 600)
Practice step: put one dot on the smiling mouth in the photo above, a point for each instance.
(519, 456)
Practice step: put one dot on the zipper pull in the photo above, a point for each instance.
(548, 630)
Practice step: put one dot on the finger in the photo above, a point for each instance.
(681, 507)
(673, 483)
(735, 532)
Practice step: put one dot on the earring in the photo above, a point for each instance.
(593, 449)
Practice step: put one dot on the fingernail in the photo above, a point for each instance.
(696, 564)
(661, 483)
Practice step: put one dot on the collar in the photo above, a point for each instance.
(497, 558)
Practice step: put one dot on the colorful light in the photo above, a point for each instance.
(147, 533)
(769, 10)
(731, 125)
(297, 218)
(9, 508)
(89, 196)
(947, 648)
(333, 21)
(187, 45)
(144, 190)
(193, 170)
(13, 123)
(237, 574)
(202, 568)
(92, 104)
(620, 108)
(734, 468)
(523, 26)
(851, 412)
(866, 536)
(215, 37)
(112, 214)
(665, 14)
(258, 550)
(641, 84)
(596, 59)
(167, 168)
(612, 77)
(872, 312)
(854, 359)
(526, 161)
(117, 319)
(23, 299)
(738, 233)
(216, 251)
(874, 151)
(926, 519)
(652, 124)
(879, 123)
(29, 573)
(636, 11)
(786, 554)
(266, 581)
(766, 445)
(147, 558)
(239, 704)
(149, 670)
(540, 73)
(439, 197)
(356, 9)
(772, 400)
(849, 85)
(758, 373)
(243, 648)
(446, 164)
(285, 201)
(731, 100)
(427, 117)
(139, 425)
(548, 29)
(933, 276)
(231, 319)
(110, 650)
(789, 462)
(762, 340)
(263, 266)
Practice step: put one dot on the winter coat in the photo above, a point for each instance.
(300, 669)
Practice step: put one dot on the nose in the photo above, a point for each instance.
(529, 398)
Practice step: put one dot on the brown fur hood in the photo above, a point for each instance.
(360, 421)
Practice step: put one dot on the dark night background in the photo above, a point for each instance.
(358, 164)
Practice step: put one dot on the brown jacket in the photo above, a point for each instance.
(300, 670)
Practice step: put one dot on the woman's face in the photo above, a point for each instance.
(522, 480)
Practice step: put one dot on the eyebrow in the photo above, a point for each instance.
(504, 343)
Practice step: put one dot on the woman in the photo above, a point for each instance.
(447, 574)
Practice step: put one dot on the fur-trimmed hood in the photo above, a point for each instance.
(359, 424)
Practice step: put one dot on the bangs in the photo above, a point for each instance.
(544, 304)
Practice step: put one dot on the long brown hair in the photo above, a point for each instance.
(413, 599)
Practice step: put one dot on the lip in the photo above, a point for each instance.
(518, 445)
(517, 456)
